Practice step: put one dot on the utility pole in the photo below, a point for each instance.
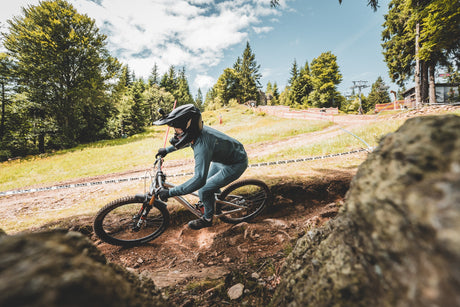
(359, 85)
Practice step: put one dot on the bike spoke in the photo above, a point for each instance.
(249, 198)
(124, 224)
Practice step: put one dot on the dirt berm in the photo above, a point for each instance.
(396, 240)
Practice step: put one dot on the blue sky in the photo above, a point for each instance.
(206, 36)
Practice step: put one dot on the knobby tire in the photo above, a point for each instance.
(114, 223)
(251, 193)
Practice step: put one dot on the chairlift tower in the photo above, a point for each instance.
(359, 85)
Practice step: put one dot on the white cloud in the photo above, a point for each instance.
(8, 9)
(260, 30)
(201, 1)
(190, 33)
(204, 82)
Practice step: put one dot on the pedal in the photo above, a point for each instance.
(199, 206)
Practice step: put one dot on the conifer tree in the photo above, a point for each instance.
(269, 88)
(276, 93)
(168, 81)
(126, 78)
(199, 100)
(248, 75)
(227, 86)
(378, 94)
(154, 77)
(302, 86)
(182, 90)
(154, 98)
(418, 36)
(272, 93)
(325, 77)
(294, 73)
(269, 93)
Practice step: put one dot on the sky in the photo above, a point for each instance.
(207, 36)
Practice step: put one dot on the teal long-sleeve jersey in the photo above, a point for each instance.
(210, 146)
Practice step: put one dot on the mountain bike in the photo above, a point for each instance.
(134, 220)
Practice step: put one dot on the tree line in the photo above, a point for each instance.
(61, 87)
(310, 86)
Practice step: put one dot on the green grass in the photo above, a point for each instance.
(94, 159)
(137, 152)
(249, 127)
(343, 142)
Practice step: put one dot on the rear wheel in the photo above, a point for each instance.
(120, 222)
(251, 197)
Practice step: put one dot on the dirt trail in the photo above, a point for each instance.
(200, 266)
(181, 256)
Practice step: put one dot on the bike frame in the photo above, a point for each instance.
(159, 181)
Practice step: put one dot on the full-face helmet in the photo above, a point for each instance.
(187, 118)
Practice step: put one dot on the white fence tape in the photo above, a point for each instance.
(121, 180)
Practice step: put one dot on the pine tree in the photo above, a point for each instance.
(294, 73)
(6, 76)
(227, 86)
(138, 113)
(378, 94)
(155, 98)
(325, 77)
(124, 81)
(199, 100)
(272, 93)
(126, 76)
(301, 87)
(248, 75)
(269, 94)
(269, 88)
(168, 81)
(418, 36)
(154, 77)
(182, 90)
(276, 93)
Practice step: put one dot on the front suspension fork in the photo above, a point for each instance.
(142, 214)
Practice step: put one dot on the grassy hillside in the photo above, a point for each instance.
(137, 152)
(254, 130)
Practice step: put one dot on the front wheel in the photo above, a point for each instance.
(128, 222)
(249, 197)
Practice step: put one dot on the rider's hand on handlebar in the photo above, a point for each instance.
(163, 194)
(161, 153)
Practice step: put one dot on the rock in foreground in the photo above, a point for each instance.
(63, 268)
(396, 241)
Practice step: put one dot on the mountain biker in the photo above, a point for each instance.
(219, 159)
